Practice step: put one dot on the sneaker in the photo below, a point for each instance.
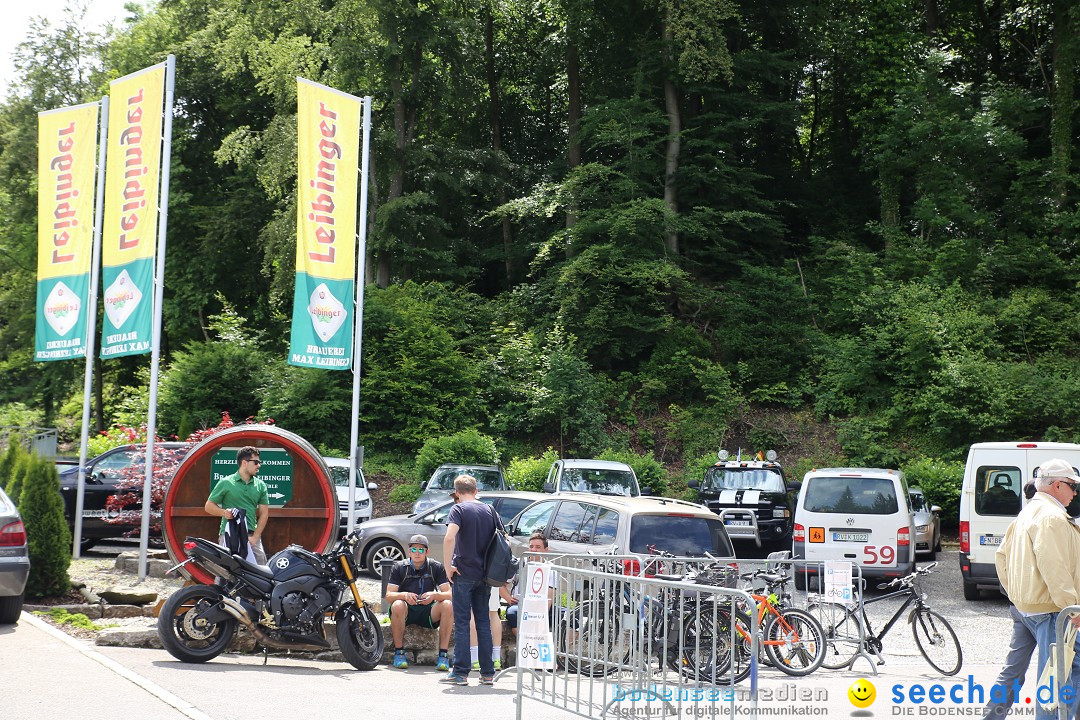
(442, 663)
(476, 665)
(399, 660)
(488, 680)
(454, 679)
(498, 664)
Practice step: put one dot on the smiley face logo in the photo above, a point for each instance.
(861, 694)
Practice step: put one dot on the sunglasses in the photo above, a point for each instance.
(255, 460)
(1072, 485)
(418, 549)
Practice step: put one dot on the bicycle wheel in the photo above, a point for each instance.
(593, 641)
(706, 652)
(803, 642)
(841, 628)
(937, 642)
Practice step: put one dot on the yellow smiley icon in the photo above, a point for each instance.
(861, 694)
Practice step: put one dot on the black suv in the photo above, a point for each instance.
(752, 497)
(103, 473)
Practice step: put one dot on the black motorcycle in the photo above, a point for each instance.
(282, 605)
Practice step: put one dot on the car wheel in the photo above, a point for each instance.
(383, 550)
(937, 544)
(10, 607)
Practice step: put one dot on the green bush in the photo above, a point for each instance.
(206, 379)
(7, 462)
(19, 471)
(530, 473)
(463, 448)
(42, 510)
(940, 481)
(692, 470)
(650, 473)
(405, 493)
(308, 402)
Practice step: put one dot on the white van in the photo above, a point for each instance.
(991, 498)
(859, 514)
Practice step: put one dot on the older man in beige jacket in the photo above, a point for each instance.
(1038, 564)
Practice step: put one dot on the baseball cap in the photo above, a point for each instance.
(419, 540)
(1058, 468)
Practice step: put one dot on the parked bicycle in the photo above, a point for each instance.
(848, 630)
(792, 640)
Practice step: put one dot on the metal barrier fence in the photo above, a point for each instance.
(622, 642)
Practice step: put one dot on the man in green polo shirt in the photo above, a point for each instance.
(244, 491)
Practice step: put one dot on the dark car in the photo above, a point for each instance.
(103, 474)
(752, 497)
(14, 561)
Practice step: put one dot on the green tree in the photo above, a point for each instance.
(47, 533)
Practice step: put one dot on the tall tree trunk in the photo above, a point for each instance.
(674, 141)
(373, 207)
(573, 115)
(1064, 99)
(496, 134)
(931, 17)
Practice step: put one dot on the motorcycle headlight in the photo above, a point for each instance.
(921, 528)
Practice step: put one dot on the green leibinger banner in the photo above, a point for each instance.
(328, 156)
(129, 234)
(67, 142)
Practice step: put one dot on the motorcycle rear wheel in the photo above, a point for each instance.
(360, 637)
(187, 637)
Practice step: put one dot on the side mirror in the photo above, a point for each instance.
(693, 484)
(549, 487)
(646, 491)
(510, 529)
(935, 509)
(372, 486)
(423, 485)
(794, 485)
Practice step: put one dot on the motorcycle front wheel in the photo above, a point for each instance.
(360, 637)
(184, 634)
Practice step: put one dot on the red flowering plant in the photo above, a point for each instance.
(125, 506)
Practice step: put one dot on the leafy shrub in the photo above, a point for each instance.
(650, 473)
(530, 473)
(405, 493)
(19, 472)
(206, 378)
(464, 448)
(42, 510)
(116, 436)
(309, 402)
(941, 481)
(7, 462)
(692, 470)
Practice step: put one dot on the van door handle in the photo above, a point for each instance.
(850, 555)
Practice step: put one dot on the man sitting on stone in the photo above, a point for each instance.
(419, 594)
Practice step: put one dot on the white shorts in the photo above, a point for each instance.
(493, 600)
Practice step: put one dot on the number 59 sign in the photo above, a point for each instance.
(875, 555)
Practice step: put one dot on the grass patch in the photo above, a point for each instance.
(61, 616)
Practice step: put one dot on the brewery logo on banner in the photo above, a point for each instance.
(67, 145)
(328, 155)
(129, 233)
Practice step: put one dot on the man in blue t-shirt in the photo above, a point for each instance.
(469, 529)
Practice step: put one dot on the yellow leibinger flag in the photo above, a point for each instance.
(67, 144)
(328, 156)
(129, 233)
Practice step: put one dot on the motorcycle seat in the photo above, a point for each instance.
(260, 570)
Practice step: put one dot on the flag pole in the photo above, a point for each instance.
(354, 433)
(159, 294)
(91, 325)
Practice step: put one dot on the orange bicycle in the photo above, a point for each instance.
(792, 639)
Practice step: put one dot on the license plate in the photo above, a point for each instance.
(745, 523)
(990, 539)
(850, 537)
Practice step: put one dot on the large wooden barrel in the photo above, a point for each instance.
(303, 502)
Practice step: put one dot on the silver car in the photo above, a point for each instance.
(385, 538)
(14, 561)
(927, 524)
(437, 489)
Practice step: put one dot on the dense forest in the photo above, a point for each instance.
(651, 225)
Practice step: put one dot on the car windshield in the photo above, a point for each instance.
(444, 478)
(869, 496)
(764, 479)
(679, 535)
(341, 476)
(599, 481)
